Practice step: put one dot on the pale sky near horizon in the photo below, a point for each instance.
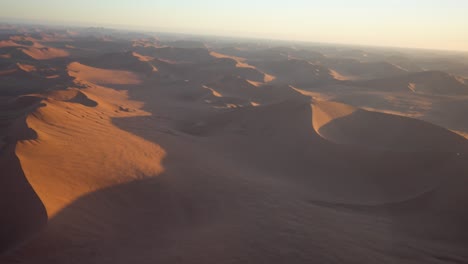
(438, 24)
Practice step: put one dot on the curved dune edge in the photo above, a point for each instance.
(78, 150)
(344, 124)
(23, 214)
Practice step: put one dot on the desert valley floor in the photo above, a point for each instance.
(125, 147)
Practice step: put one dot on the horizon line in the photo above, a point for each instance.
(155, 30)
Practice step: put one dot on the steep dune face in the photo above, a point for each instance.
(344, 124)
(23, 214)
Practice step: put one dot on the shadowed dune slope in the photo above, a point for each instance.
(334, 172)
(120, 61)
(22, 213)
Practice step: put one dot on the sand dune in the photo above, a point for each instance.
(141, 57)
(296, 72)
(240, 61)
(141, 149)
(205, 203)
(355, 69)
(121, 61)
(179, 55)
(9, 43)
(68, 127)
(73, 95)
(347, 125)
(344, 174)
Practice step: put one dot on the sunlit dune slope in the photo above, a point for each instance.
(102, 76)
(75, 128)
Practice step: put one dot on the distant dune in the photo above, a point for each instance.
(355, 69)
(121, 61)
(429, 82)
(297, 72)
(347, 125)
(45, 53)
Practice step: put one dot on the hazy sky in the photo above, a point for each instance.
(441, 24)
